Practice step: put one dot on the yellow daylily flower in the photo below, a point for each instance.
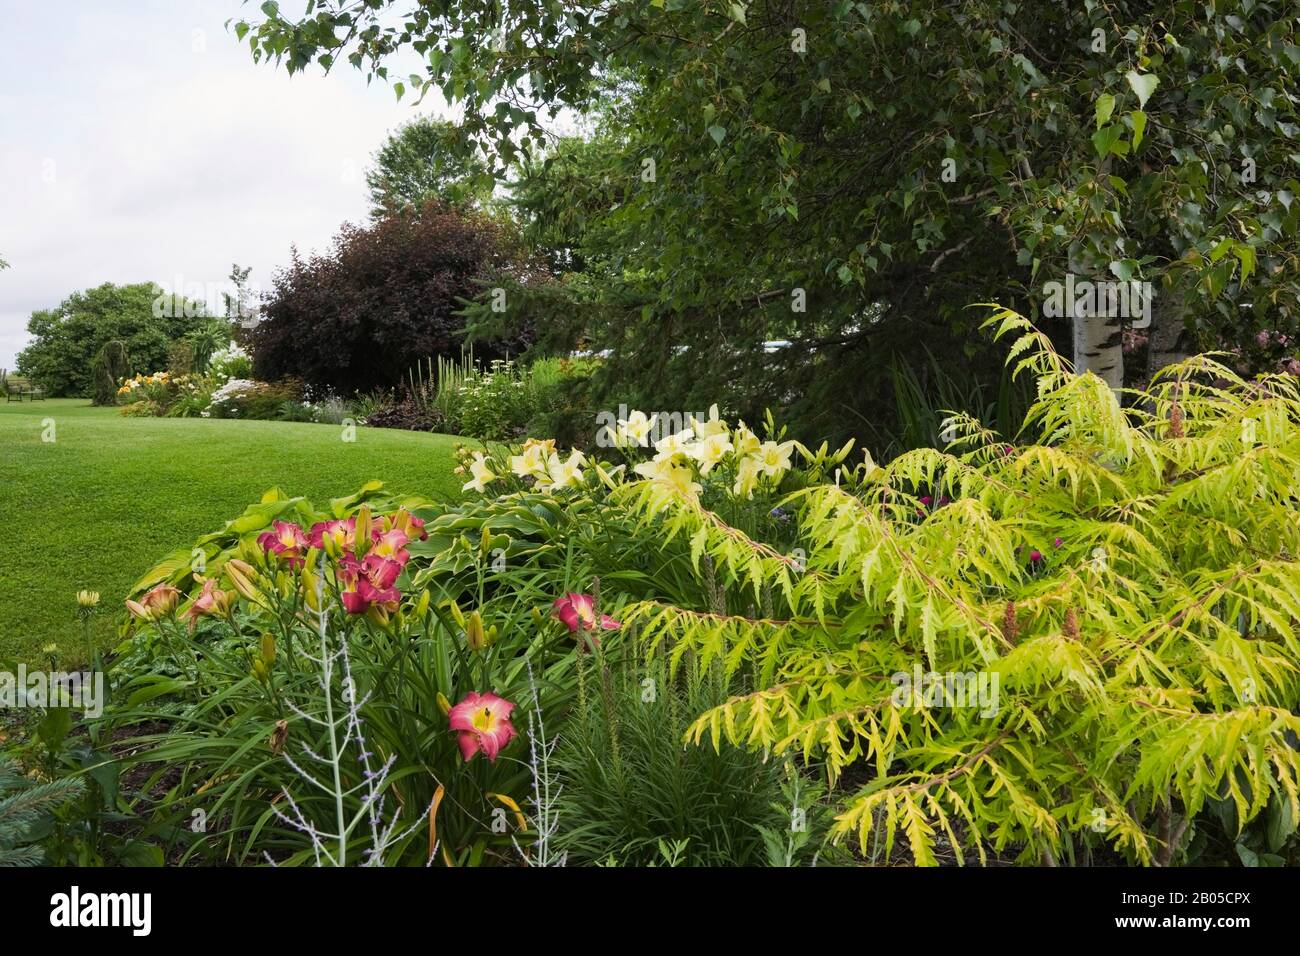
(746, 477)
(666, 471)
(531, 462)
(565, 474)
(713, 425)
(774, 459)
(709, 451)
(674, 444)
(635, 429)
(483, 474)
(746, 442)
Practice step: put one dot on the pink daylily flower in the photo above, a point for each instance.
(391, 544)
(369, 581)
(286, 541)
(341, 533)
(402, 520)
(156, 603)
(211, 600)
(578, 612)
(483, 723)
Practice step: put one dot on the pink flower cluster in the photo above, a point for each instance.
(367, 570)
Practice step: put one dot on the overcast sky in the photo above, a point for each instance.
(140, 142)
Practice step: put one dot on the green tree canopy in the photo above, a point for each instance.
(66, 339)
(426, 159)
(880, 166)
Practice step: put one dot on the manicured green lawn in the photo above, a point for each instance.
(109, 496)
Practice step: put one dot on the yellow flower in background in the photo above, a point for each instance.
(547, 445)
(774, 459)
(674, 444)
(531, 462)
(483, 474)
(710, 427)
(87, 599)
(709, 451)
(747, 477)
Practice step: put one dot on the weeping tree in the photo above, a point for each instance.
(110, 365)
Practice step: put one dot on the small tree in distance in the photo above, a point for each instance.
(426, 159)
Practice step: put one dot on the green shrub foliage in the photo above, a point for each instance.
(1122, 582)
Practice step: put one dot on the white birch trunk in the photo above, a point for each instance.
(1098, 348)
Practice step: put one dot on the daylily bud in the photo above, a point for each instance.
(474, 635)
(422, 605)
(312, 589)
(538, 619)
(485, 542)
(443, 703)
(456, 615)
(268, 649)
(363, 530)
(241, 576)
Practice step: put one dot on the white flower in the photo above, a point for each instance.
(713, 426)
(483, 475)
(635, 429)
(774, 459)
(235, 388)
(747, 442)
(674, 444)
(565, 474)
(709, 451)
(674, 475)
(531, 462)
